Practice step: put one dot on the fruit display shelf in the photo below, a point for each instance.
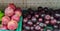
(19, 26)
(38, 20)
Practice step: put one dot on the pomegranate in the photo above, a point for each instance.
(12, 6)
(16, 18)
(5, 20)
(9, 11)
(12, 25)
(18, 12)
(4, 27)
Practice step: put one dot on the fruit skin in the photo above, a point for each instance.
(40, 19)
(9, 11)
(18, 12)
(30, 23)
(37, 28)
(5, 20)
(12, 6)
(47, 16)
(15, 17)
(4, 27)
(53, 21)
(12, 25)
(47, 22)
(27, 27)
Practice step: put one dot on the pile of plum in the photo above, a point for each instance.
(42, 19)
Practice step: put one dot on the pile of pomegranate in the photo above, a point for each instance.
(37, 20)
(11, 18)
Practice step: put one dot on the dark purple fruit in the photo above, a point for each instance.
(27, 27)
(29, 16)
(53, 21)
(37, 28)
(30, 23)
(55, 26)
(25, 20)
(34, 19)
(32, 28)
(40, 19)
(47, 17)
(30, 11)
(46, 22)
(48, 30)
(41, 25)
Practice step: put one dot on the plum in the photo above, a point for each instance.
(37, 28)
(40, 19)
(47, 17)
(32, 28)
(30, 23)
(25, 20)
(12, 25)
(27, 27)
(33, 19)
(47, 22)
(53, 21)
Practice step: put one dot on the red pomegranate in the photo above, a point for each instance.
(9, 11)
(5, 20)
(4, 27)
(12, 25)
(12, 6)
(18, 12)
(16, 18)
